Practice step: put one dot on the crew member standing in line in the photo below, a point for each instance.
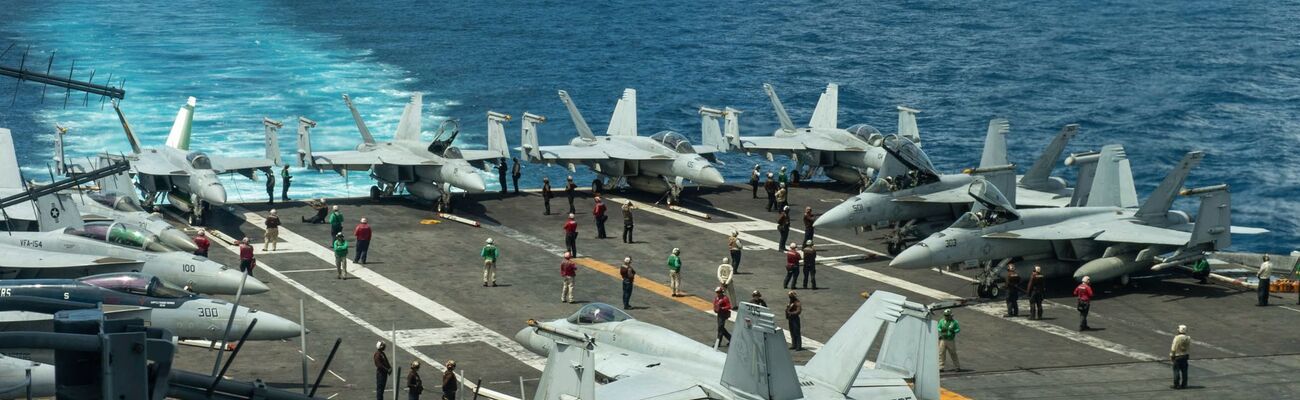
(382, 369)
(489, 254)
(792, 313)
(571, 235)
(362, 233)
(336, 222)
(449, 382)
(272, 231)
(1084, 293)
(629, 276)
(1036, 290)
(285, 180)
(340, 256)
(794, 177)
(598, 211)
(627, 221)
(725, 275)
(1013, 292)
(675, 272)
(782, 178)
(791, 267)
(246, 260)
(1265, 276)
(414, 385)
(782, 201)
(270, 187)
(948, 329)
(770, 187)
(501, 176)
(1178, 355)
(722, 307)
(753, 180)
(570, 189)
(757, 298)
(202, 243)
(515, 174)
(733, 248)
(546, 195)
(809, 264)
(808, 220)
(568, 272)
(783, 226)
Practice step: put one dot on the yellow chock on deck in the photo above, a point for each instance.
(429, 222)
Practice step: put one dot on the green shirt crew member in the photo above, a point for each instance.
(1201, 270)
(285, 179)
(948, 329)
(675, 272)
(336, 221)
(340, 255)
(489, 254)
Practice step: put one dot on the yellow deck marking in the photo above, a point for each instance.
(691, 301)
(429, 222)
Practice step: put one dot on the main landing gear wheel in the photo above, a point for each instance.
(374, 192)
(988, 291)
(894, 248)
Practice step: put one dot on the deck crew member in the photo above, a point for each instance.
(675, 272)
(757, 298)
(1296, 271)
(722, 307)
(725, 275)
(285, 180)
(246, 260)
(1013, 292)
(547, 195)
(363, 234)
(489, 254)
(627, 221)
(1084, 293)
(1036, 290)
(320, 215)
(501, 176)
(782, 177)
(414, 385)
(782, 198)
(753, 180)
(336, 222)
(202, 243)
(340, 256)
(809, 264)
(1265, 276)
(629, 277)
(948, 329)
(792, 258)
(270, 187)
(598, 212)
(793, 311)
(570, 189)
(568, 272)
(783, 226)
(449, 381)
(382, 369)
(808, 220)
(1201, 270)
(734, 250)
(770, 187)
(1178, 355)
(571, 235)
(515, 174)
(272, 231)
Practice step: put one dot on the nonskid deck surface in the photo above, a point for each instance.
(425, 278)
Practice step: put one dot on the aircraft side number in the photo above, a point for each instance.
(208, 312)
(6, 292)
(950, 243)
(187, 267)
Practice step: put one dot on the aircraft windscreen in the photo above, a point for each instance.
(991, 207)
(674, 141)
(132, 283)
(198, 160)
(453, 153)
(596, 313)
(866, 132)
(910, 154)
(115, 233)
(968, 220)
(163, 289)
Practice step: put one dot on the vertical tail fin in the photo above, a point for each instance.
(273, 140)
(710, 129)
(496, 134)
(1112, 180)
(623, 123)
(304, 141)
(1161, 200)
(528, 148)
(838, 363)
(995, 143)
(1214, 219)
(828, 109)
(786, 124)
(570, 372)
(578, 121)
(408, 128)
(731, 127)
(1038, 174)
(126, 127)
(356, 117)
(1086, 162)
(179, 137)
(907, 124)
(57, 211)
(757, 360)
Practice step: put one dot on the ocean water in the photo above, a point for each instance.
(1161, 78)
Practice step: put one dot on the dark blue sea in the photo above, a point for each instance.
(1160, 77)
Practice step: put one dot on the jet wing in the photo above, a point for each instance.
(956, 195)
(1026, 198)
(482, 154)
(632, 153)
(659, 385)
(788, 143)
(352, 158)
(1119, 231)
(242, 165)
(152, 163)
(45, 264)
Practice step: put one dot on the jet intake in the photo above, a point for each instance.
(844, 174)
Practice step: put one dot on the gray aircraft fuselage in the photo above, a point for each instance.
(198, 181)
(422, 180)
(649, 175)
(151, 223)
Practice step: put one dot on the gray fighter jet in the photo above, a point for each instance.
(649, 362)
(427, 170)
(846, 155)
(1103, 239)
(917, 193)
(656, 164)
(160, 304)
(186, 177)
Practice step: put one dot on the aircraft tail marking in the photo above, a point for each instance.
(179, 137)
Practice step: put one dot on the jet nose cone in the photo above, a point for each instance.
(467, 181)
(531, 341)
(273, 327)
(708, 176)
(837, 217)
(255, 286)
(175, 238)
(214, 194)
(918, 256)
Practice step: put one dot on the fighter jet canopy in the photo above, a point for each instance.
(597, 313)
(136, 283)
(991, 208)
(867, 133)
(909, 154)
(119, 234)
(674, 141)
(198, 160)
